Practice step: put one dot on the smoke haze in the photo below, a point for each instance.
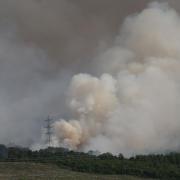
(126, 98)
(133, 107)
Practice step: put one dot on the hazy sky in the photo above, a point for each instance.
(43, 43)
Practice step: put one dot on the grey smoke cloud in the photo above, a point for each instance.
(63, 27)
(43, 43)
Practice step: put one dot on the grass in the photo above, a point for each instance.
(38, 171)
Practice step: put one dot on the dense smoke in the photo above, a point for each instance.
(133, 105)
(126, 98)
(42, 44)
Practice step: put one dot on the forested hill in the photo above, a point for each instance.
(153, 166)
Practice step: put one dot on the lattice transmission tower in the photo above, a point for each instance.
(49, 130)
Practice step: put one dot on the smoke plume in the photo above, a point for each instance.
(118, 76)
(43, 43)
(132, 105)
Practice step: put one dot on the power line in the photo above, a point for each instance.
(49, 130)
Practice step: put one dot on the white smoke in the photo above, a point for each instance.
(133, 106)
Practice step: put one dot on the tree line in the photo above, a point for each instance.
(163, 166)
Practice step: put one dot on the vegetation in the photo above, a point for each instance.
(152, 166)
(39, 171)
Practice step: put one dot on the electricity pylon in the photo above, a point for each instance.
(49, 131)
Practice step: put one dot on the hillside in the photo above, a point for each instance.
(38, 171)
